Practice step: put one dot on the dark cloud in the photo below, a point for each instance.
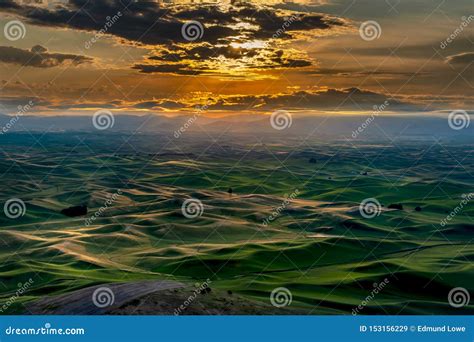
(84, 105)
(225, 31)
(152, 23)
(327, 99)
(114, 104)
(330, 99)
(271, 21)
(38, 57)
(168, 104)
(206, 59)
(462, 58)
(180, 69)
(202, 52)
(13, 103)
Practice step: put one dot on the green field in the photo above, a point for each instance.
(318, 246)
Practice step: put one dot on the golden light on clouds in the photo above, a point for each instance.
(263, 49)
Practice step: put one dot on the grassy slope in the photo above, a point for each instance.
(319, 247)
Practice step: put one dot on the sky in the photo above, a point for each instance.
(74, 57)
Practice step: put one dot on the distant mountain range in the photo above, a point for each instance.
(347, 126)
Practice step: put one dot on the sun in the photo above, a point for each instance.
(253, 44)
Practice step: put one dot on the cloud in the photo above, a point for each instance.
(153, 23)
(327, 99)
(239, 36)
(427, 50)
(38, 57)
(16, 103)
(180, 69)
(167, 104)
(462, 58)
(308, 100)
(209, 60)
